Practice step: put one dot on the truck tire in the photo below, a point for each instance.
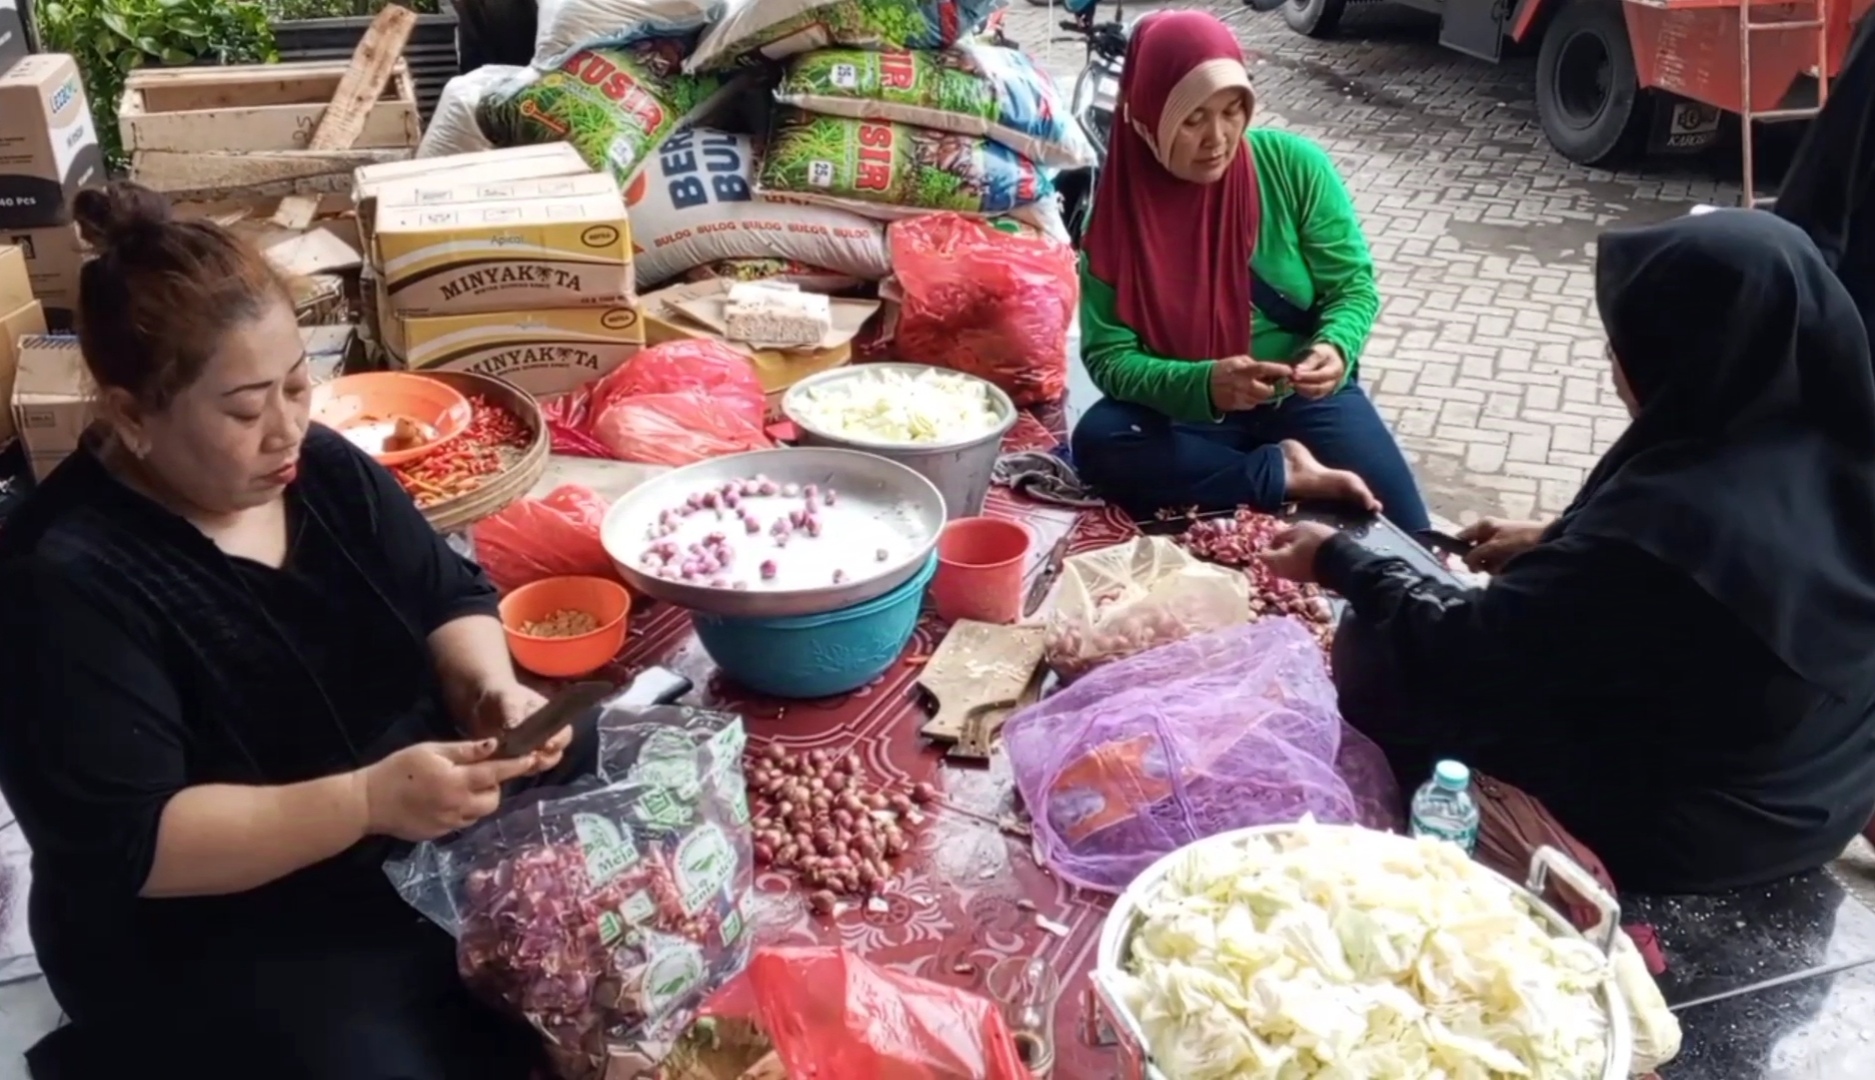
(1588, 94)
(1314, 18)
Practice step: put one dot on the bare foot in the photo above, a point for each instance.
(1310, 480)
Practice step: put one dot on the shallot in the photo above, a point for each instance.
(1236, 541)
(819, 817)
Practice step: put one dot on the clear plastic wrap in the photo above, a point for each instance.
(1125, 599)
(1221, 731)
(606, 911)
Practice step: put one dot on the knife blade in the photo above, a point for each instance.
(1046, 574)
(545, 722)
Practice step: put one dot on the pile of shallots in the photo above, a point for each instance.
(1235, 541)
(819, 816)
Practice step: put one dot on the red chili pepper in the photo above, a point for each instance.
(492, 442)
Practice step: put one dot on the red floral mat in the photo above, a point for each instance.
(961, 899)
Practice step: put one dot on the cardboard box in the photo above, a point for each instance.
(26, 320)
(48, 148)
(12, 33)
(16, 288)
(487, 166)
(546, 353)
(53, 258)
(448, 191)
(51, 399)
(681, 313)
(530, 254)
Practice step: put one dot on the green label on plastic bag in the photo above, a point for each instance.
(671, 975)
(660, 808)
(607, 845)
(705, 860)
(668, 759)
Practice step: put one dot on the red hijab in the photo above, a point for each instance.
(1177, 253)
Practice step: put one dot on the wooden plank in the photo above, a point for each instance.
(379, 52)
(254, 175)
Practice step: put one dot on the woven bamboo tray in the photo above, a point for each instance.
(454, 515)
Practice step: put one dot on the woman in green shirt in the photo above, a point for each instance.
(1226, 293)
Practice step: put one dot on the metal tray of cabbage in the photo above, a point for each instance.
(1577, 961)
(874, 524)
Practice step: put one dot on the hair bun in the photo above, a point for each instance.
(117, 214)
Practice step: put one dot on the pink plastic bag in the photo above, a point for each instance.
(557, 536)
(985, 302)
(830, 1013)
(1217, 732)
(672, 404)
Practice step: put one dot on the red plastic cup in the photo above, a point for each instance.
(980, 564)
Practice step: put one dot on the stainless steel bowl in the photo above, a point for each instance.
(1116, 934)
(868, 485)
(960, 467)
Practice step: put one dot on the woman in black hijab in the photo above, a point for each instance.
(1829, 191)
(1682, 668)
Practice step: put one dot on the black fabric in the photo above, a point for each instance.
(1828, 190)
(1279, 309)
(137, 659)
(1681, 669)
(1749, 466)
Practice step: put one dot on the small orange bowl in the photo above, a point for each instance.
(364, 407)
(570, 656)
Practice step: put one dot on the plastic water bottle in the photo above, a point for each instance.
(1444, 809)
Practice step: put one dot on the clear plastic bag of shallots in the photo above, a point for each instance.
(606, 911)
(1125, 599)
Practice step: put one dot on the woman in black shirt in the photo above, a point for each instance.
(1682, 667)
(236, 667)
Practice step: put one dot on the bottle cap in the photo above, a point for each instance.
(1451, 775)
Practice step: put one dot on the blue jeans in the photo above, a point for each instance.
(1144, 461)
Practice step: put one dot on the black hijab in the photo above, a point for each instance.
(1829, 191)
(1751, 466)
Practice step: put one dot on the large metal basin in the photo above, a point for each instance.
(870, 487)
(1116, 935)
(960, 468)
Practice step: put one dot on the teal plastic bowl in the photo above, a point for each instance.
(812, 656)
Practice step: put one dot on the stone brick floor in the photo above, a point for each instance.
(1487, 358)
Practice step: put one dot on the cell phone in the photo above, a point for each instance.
(552, 718)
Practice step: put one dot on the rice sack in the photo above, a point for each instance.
(787, 271)
(615, 106)
(695, 204)
(569, 25)
(969, 89)
(772, 29)
(888, 170)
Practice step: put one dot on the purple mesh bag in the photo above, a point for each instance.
(1222, 731)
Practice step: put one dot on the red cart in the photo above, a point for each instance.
(1616, 78)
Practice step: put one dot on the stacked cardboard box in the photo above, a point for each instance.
(48, 151)
(525, 277)
(20, 316)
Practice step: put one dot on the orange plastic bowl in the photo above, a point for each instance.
(354, 404)
(566, 657)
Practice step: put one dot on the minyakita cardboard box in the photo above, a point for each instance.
(486, 166)
(546, 353)
(48, 148)
(527, 254)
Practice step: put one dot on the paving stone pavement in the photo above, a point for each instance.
(1488, 355)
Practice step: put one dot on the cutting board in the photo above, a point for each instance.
(980, 673)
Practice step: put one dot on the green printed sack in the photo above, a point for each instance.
(888, 170)
(761, 30)
(616, 106)
(969, 89)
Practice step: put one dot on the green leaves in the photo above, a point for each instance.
(111, 38)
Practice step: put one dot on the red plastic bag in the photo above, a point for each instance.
(674, 429)
(557, 536)
(830, 1013)
(986, 302)
(672, 404)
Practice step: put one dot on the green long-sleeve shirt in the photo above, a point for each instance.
(1309, 247)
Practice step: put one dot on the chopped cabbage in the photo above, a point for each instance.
(1344, 954)
(890, 406)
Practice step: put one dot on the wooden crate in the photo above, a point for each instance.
(254, 108)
